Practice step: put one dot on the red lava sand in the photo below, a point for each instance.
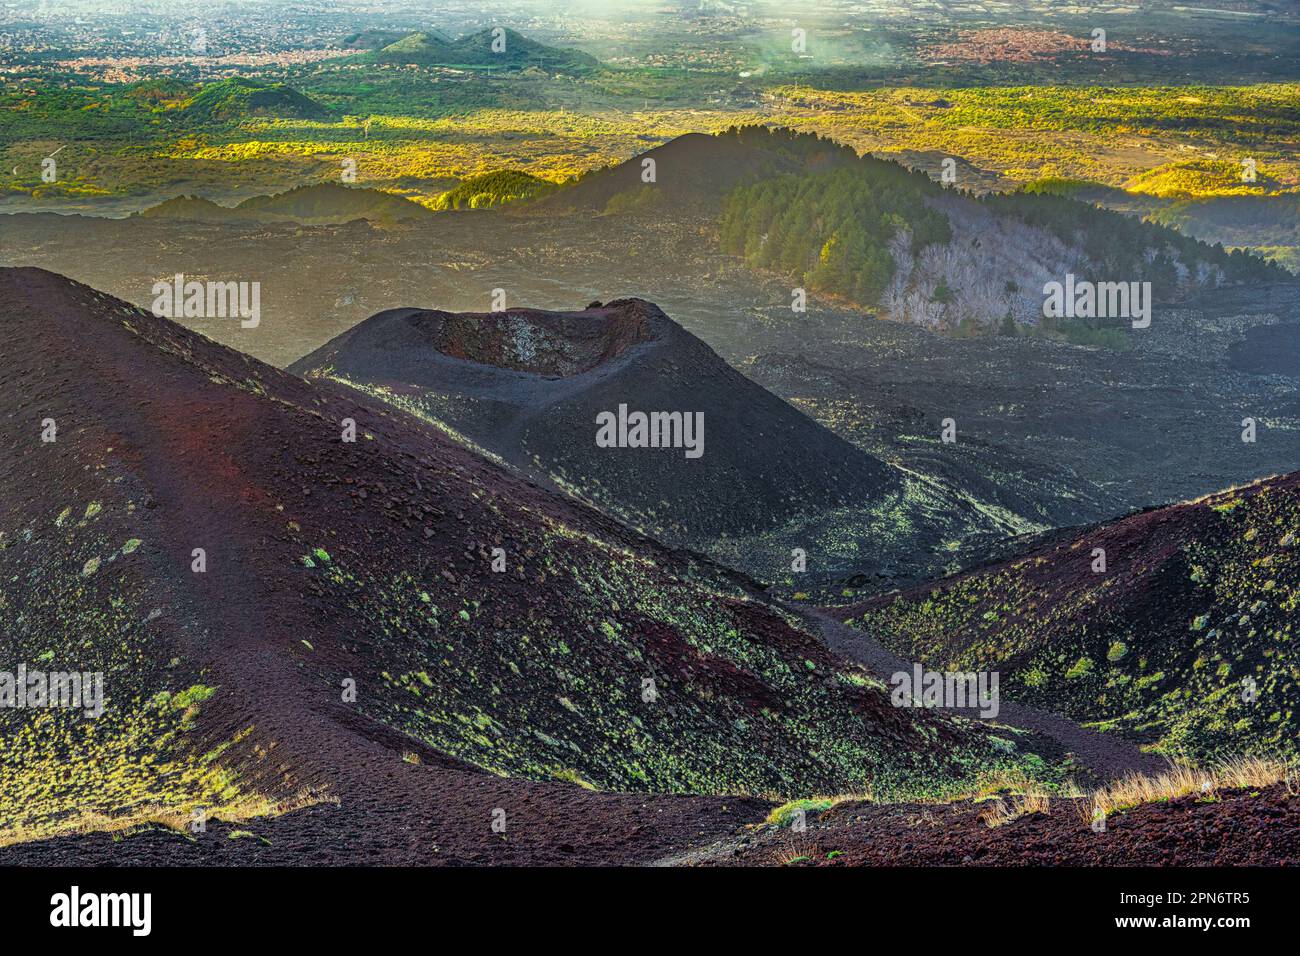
(1238, 829)
(219, 461)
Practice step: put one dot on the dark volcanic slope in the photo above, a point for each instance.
(1268, 350)
(347, 639)
(1184, 642)
(529, 386)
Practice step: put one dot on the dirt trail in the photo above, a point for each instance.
(1108, 756)
(211, 464)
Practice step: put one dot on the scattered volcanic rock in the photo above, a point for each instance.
(287, 618)
(1268, 350)
(1174, 627)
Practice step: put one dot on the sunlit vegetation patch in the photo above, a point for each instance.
(493, 189)
(438, 126)
(1205, 178)
(68, 774)
(834, 230)
(1018, 130)
(553, 145)
(85, 607)
(1008, 792)
(1186, 780)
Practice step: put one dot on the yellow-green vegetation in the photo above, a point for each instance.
(1010, 792)
(1101, 134)
(1205, 178)
(786, 813)
(405, 151)
(87, 608)
(67, 774)
(730, 707)
(493, 189)
(1190, 649)
(1002, 812)
(1010, 797)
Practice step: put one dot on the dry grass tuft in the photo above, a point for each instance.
(924, 818)
(796, 851)
(1234, 773)
(172, 818)
(1003, 811)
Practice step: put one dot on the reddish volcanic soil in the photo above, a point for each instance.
(229, 451)
(1239, 829)
(218, 460)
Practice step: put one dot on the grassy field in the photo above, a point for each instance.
(1188, 142)
(1100, 134)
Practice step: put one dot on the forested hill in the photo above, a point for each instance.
(692, 174)
(832, 231)
(883, 237)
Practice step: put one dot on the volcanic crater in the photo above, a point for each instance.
(529, 386)
(550, 344)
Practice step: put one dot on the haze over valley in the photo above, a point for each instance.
(648, 414)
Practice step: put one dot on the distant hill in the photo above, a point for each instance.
(194, 208)
(876, 234)
(494, 189)
(378, 39)
(695, 172)
(1186, 641)
(476, 50)
(319, 203)
(884, 237)
(334, 202)
(235, 98)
